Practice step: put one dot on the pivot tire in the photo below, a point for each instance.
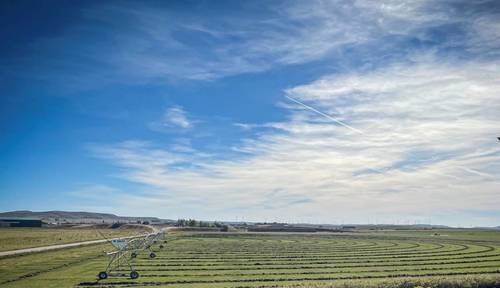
(152, 255)
(102, 275)
(134, 275)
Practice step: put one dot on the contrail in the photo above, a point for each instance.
(472, 171)
(325, 115)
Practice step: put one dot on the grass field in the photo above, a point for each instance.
(19, 238)
(263, 260)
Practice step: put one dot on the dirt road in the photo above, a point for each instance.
(56, 247)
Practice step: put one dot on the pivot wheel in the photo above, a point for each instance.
(152, 255)
(161, 246)
(134, 275)
(133, 255)
(102, 275)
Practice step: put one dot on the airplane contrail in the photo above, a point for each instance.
(325, 115)
(472, 171)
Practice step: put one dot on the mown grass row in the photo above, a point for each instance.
(329, 256)
(292, 269)
(296, 253)
(298, 263)
(284, 279)
(305, 267)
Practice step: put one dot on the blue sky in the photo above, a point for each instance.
(302, 111)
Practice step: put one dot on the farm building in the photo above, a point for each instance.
(20, 222)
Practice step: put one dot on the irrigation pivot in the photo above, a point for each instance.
(126, 250)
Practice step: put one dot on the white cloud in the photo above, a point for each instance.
(176, 116)
(173, 119)
(289, 33)
(136, 44)
(430, 150)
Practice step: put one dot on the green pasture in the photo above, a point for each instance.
(282, 260)
(19, 238)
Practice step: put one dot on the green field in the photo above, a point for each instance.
(19, 238)
(270, 260)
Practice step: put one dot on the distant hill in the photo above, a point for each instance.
(79, 217)
(57, 214)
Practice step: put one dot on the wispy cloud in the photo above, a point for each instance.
(173, 119)
(429, 137)
(133, 43)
